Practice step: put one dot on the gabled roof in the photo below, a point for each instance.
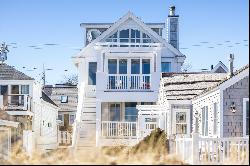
(220, 66)
(10, 73)
(139, 22)
(216, 86)
(185, 86)
(46, 98)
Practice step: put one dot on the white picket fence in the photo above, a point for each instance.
(64, 138)
(198, 150)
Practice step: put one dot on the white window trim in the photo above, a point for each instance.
(244, 116)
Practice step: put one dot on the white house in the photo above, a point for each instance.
(22, 97)
(119, 68)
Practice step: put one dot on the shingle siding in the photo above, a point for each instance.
(233, 122)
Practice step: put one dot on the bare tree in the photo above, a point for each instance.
(70, 79)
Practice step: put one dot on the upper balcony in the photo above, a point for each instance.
(128, 82)
(16, 104)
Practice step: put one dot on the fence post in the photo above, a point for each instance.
(195, 148)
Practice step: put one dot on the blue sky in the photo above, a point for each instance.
(37, 22)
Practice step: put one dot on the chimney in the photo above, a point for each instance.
(231, 65)
(173, 28)
(212, 67)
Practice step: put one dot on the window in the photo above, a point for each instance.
(92, 73)
(205, 121)
(72, 118)
(129, 36)
(145, 66)
(14, 89)
(123, 66)
(165, 67)
(131, 112)
(61, 117)
(181, 123)
(49, 124)
(115, 112)
(135, 66)
(64, 99)
(245, 116)
(112, 66)
(25, 89)
(215, 118)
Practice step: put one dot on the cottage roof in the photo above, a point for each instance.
(236, 73)
(47, 99)
(185, 86)
(10, 73)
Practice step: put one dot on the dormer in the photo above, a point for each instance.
(93, 30)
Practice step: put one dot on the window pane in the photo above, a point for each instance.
(165, 67)
(135, 66)
(124, 33)
(115, 112)
(71, 119)
(64, 99)
(112, 66)
(123, 66)
(92, 73)
(14, 89)
(180, 117)
(131, 112)
(25, 89)
(146, 66)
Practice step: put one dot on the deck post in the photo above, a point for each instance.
(195, 148)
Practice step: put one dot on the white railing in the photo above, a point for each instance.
(113, 129)
(119, 44)
(15, 102)
(129, 82)
(64, 138)
(198, 150)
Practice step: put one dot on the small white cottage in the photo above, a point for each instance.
(22, 97)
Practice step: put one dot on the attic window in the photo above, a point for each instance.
(129, 36)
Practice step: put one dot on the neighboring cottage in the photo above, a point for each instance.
(65, 96)
(173, 110)
(223, 110)
(22, 97)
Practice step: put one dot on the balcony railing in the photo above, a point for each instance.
(114, 129)
(15, 102)
(129, 82)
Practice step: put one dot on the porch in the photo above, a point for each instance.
(15, 102)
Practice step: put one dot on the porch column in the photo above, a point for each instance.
(98, 121)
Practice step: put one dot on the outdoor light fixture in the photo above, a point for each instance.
(232, 107)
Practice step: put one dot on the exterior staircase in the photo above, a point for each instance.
(86, 128)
